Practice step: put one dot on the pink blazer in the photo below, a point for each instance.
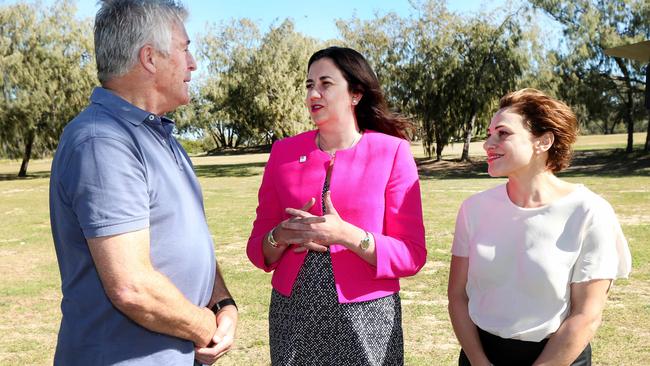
(374, 186)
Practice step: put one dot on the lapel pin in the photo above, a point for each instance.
(302, 159)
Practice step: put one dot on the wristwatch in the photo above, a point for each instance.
(221, 304)
(365, 242)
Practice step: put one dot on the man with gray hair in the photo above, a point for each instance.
(139, 278)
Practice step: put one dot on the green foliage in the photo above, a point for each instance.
(430, 74)
(255, 89)
(280, 70)
(382, 41)
(46, 74)
(196, 146)
(445, 70)
(604, 90)
(492, 62)
(228, 51)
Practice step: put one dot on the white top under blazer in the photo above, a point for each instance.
(522, 261)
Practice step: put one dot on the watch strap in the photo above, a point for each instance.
(223, 303)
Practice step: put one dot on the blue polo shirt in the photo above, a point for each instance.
(118, 169)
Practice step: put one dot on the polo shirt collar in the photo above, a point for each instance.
(121, 107)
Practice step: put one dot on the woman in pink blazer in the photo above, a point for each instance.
(339, 221)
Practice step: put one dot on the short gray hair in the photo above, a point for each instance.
(123, 27)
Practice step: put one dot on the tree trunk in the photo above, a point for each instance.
(227, 139)
(646, 148)
(439, 146)
(611, 129)
(630, 132)
(29, 142)
(216, 137)
(628, 106)
(428, 137)
(223, 136)
(468, 137)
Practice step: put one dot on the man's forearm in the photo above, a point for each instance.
(156, 304)
(145, 295)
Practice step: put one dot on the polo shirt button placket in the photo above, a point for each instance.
(151, 118)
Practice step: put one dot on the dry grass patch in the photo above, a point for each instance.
(29, 278)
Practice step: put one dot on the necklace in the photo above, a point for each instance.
(332, 154)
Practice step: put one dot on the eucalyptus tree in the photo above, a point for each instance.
(226, 51)
(430, 85)
(443, 69)
(46, 74)
(384, 43)
(592, 78)
(278, 72)
(491, 63)
(411, 59)
(255, 87)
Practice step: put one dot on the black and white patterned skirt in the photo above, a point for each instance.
(312, 328)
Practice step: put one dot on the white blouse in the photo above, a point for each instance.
(522, 261)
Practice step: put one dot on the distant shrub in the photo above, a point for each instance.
(197, 146)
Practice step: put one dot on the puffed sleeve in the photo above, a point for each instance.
(269, 214)
(604, 253)
(401, 249)
(105, 184)
(460, 247)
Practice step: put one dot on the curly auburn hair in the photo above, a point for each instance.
(542, 114)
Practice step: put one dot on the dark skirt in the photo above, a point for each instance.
(312, 328)
(514, 352)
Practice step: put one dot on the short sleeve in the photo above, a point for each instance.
(604, 252)
(106, 187)
(460, 246)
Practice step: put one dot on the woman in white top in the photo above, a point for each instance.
(533, 259)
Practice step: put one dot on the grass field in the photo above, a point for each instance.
(29, 277)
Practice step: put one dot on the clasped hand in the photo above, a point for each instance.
(310, 232)
(223, 338)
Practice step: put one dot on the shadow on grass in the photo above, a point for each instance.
(240, 151)
(32, 175)
(599, 162)
(202, 171)
(229, 170)
(609, 163)
(452, 168)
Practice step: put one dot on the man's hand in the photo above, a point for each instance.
(223, 338)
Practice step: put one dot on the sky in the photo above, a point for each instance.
(315, 19)
(310, 18)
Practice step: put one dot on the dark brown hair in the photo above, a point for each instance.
(543, 114)
(372, 112)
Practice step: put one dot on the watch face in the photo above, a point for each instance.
(365, 243)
